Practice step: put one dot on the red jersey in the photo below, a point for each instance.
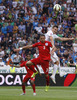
(44, 49)
(27, 69)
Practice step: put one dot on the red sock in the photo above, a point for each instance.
(32, 69)
(47, 80)
(33, 86)
(23, 88)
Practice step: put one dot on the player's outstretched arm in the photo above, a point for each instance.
(24, 47)
(17, 66)
(64, 39)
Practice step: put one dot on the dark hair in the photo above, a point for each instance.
(42, 35)
(55, 26)
(28, 54)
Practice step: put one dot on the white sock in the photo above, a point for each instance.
(55, 68)
(60, 73)
(59, 68)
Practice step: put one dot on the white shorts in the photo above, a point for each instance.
(54, 57)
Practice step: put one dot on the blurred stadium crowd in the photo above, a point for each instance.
(22, 22)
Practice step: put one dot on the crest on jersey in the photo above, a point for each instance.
(46, 44)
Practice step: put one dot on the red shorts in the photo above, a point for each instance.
(44, 64)
(27, 77)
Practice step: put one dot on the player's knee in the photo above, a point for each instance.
(23, 83)
(32, 82)
(46, 75)
(28, 63)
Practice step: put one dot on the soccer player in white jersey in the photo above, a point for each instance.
(51, 36)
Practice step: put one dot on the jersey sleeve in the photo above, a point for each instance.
(47, 35)
(22, 64)
(35, 45)
(50, 33)
(55, 36)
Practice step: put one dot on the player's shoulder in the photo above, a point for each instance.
(55, 35)
(47, 42)
(36, 43)
(24, 62)
(39, 43)
(50, 32)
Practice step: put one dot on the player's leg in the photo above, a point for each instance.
(23, 88)
(45, 67)
(26, 78)
(35, 62)
(55, 68)
(55, 60)
(47, 82)
(33, 85)
(29, 63)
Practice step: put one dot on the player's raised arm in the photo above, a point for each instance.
(52, 41)
(64, 39)
(17, 66)
(53, 46)
(24, 47)
(53, 50)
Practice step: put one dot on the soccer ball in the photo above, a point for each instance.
(57, 7)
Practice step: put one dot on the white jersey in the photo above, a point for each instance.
(50, 33)
(47, 37)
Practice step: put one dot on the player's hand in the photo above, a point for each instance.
(71, 38)
(17, 49)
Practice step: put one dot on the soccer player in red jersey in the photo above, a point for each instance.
(44, 56)
(28, 75)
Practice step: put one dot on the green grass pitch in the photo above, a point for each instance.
(54, 93)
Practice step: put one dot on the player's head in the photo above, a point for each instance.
(55, 29)
(42, 38)
(28, 57)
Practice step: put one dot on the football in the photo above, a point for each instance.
(57, 7)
